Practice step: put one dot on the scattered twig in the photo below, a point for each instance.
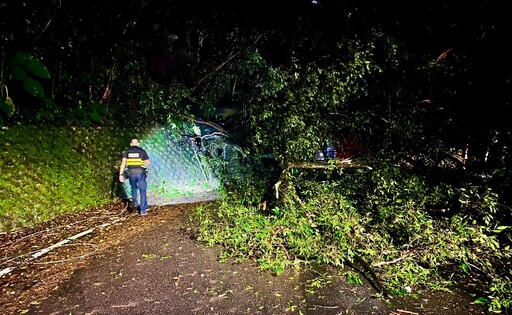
(46, 250)
(324, 306)
(400, 312)
(72, 258)
(394, 261)
(220, 66)
(404, 255)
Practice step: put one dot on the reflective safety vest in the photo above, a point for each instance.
(135, 157)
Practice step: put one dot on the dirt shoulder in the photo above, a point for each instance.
(127, 264)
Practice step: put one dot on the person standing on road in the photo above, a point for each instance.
(135, 162)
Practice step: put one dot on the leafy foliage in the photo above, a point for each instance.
(390, 226)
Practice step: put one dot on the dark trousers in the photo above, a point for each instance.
(139, 185)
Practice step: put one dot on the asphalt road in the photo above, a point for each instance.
(162, 269)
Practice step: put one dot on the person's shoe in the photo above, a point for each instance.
(144, 213)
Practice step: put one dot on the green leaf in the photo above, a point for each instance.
(96, 116)
(480, 301)
(501, 228)
(148, 256)
(100, 108)
(463, 267)
(9, 103)
(33, 87)
(31, 64)
(18, 72)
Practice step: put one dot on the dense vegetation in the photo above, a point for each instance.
(411, 95)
